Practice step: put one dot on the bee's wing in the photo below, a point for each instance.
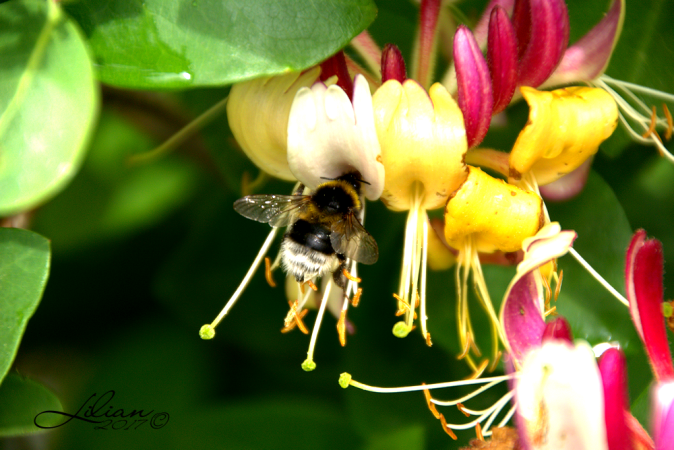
(276, 210)
(349, 238)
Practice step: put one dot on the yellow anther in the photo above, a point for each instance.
(428, 340)
(461, 408)
(356, 297)
(495, 362)
(294, 319)
(312, 285)
(429, 403)
(350, 277)
(267, 272)
(341, 328)
(480, 369)
(478, 432)
(651, 128)
(558, 286)
(552, 311)
(446, 428)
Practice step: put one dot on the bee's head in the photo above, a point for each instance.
(354, 179)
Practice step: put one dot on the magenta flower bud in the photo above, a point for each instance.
(424, 53)
(542, 28)
(392, 64)
(588, 57)
(474, 86)
(643, 277)
(662, 418)
(558, 329)
(480, 30)
(613, 369)
(502, 58)
(336, 66)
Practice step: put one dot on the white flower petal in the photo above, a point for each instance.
(329, 136)
(560, 398)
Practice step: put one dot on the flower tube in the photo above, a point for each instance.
(423, 143)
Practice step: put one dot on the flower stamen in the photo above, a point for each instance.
(598, 277)
(478, 432)
(350, 277)
(267, 272)
(296, 321)
(341, 328)
(479, 370)
(654, 122)
(309, 364)
(429, 403)
(639, 114)
(208, 331)
(294, 318)
(356, 297)
(461, 408)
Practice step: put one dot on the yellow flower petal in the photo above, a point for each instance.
(258, 112)
(423, 140)
(565, 128)
(496, 215)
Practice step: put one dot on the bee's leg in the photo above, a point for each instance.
(339, 275)
(299, 190)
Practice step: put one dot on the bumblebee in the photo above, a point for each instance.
(324, 230)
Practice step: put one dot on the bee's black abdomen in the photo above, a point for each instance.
(313, 236)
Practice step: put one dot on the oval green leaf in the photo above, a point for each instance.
(24, 268)
(22, 399)
(48, 102)
(188, 43)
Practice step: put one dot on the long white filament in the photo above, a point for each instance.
(256, 263)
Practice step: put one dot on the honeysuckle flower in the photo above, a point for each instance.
(565, 128)
(329, 133)
(562, 398)
(486, 215)
(258, 111)
(643, 278)
(423, 143)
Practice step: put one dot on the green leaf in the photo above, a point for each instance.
(48, 102)
(188, 43)
(23, 399)
(24, 267)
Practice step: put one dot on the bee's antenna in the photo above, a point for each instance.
(363, 181)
